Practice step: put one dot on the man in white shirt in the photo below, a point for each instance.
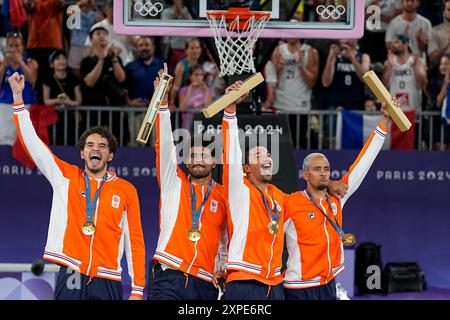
(412, 24)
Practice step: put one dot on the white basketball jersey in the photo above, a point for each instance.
(292, 94)
(402, 85)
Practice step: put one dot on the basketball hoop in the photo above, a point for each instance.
(236, 31)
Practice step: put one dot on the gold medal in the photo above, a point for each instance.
(348, 239)
(194, 235)
(273, 227)
(88, 228)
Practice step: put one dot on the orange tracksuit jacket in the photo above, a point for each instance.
(316, 254)
(208, 255)
(253, 253)
(117, 216)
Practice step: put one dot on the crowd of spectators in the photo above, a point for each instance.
(92, 65)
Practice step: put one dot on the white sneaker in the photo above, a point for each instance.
(341, 293)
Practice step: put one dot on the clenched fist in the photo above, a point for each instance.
(17, 83)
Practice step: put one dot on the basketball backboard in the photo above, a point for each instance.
(322, 19)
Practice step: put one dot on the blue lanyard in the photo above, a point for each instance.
(334, 224)
(275, 217)
(195, 215)
(90, 206)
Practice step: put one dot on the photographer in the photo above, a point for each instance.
(14, 61)
(102, 74)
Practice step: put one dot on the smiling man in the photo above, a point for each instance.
(314, 233)
(191, 250)
(95, 215)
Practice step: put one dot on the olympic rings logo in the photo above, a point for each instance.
(148, 8)
(330, 11)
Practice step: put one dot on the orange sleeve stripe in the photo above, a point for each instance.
(360, 155)
(157, 146)
(226, 151)
(19, 135)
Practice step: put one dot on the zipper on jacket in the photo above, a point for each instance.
(92, 237)
(199, 228)
(328, 240)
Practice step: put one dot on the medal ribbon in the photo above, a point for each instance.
(334, 224)
(274, 217)
(195, 215)
(90, 206)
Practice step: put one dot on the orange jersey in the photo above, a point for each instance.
(116, 217)
(316, 254)
(208, 255)
(253, 252)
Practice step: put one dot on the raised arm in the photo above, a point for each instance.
(232, 174)
(166, 159)
(134, 245)
(367, 155)
(48, 164)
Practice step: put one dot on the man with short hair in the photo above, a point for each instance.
(440, 37)
(412, 24)
(191, 251)
(404, 75)
(140, 75)
(314, 234)
(256, 217)
(95, 215)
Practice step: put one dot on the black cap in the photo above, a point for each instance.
(94, 28)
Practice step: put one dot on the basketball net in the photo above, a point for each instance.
(235, 40)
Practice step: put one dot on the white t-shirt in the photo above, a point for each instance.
(398, 25)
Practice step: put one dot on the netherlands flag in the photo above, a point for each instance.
(353, 129)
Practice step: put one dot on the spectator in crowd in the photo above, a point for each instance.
(140, 75)
(102, 74)
(125, 43)
(63, 88)
(181, 78)
(439, 80)
(440, 37)
(370, 105)
(14, 61)
(44, 34)
(212, 78)
(405, 75)
(412, 24)
(194, 96)
(88, 17)
(373, 41)
(297, 68)
(270, 79)
(176, 45)
(343, 73)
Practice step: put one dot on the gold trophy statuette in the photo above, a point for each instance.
(153, 107)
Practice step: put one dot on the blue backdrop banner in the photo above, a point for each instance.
(401, 205)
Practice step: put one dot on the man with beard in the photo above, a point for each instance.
(314, 235)
(412, 24)
(257, 215)
(140, 75)
(95, 215)
(404, 75)
(191, 249)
